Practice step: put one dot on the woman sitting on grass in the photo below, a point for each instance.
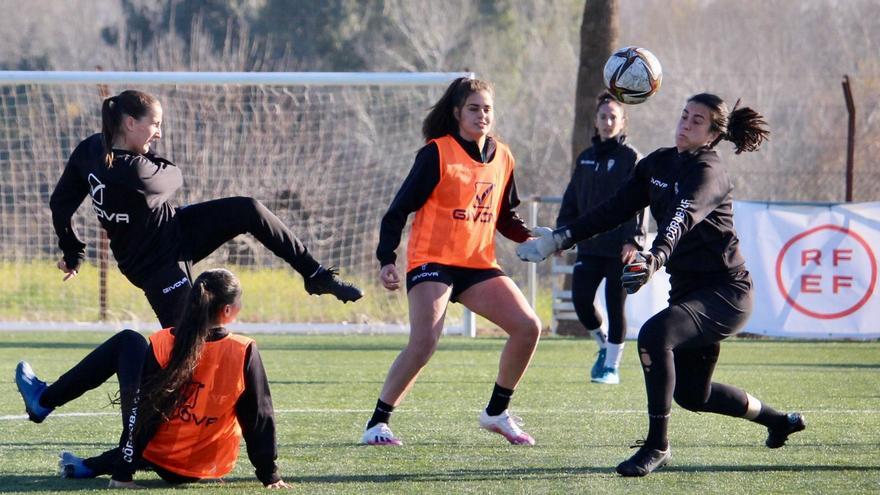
(187, 396)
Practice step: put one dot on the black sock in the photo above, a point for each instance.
(382, 414)
(770, 417)
(657, 427)
(499, 401)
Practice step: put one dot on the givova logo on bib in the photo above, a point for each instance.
(481, 209)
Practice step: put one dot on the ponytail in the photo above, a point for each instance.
(167, 390)
(743, 127)
(440, 120)
(111, 120)
(746, 129)
(130, 102)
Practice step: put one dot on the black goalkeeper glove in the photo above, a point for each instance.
(637, 273)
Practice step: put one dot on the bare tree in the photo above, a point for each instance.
(599, 30)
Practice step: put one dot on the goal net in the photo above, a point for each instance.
(326, 152)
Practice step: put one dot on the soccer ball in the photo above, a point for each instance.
(632, 74)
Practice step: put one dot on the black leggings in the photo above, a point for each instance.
(588, 273)
(121, 355)
(679, 347)
(204, 227)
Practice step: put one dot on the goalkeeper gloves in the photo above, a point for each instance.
(637, 273)
(548, 242)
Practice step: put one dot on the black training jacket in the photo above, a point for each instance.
(598, 172)
(420, 183)
(690, 198)
(131, 200)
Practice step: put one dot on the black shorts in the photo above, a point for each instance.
(460, 279)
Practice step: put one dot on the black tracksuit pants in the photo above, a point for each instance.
(679, 347)
(121, 355)
(588, 273)
(203, 228)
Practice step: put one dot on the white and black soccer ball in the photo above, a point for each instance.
(632, 74)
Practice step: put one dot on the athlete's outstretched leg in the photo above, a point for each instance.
(695, 390)
(500, 301)
(206, 226)
(658, 337)
(121, 355)
(427, 312)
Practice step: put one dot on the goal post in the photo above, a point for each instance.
(325, 151)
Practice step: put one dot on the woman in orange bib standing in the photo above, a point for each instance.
(188, 395)
(462, 190)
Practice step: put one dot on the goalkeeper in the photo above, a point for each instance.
(689, 194)
(154, 242)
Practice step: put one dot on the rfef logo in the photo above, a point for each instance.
(826, 272)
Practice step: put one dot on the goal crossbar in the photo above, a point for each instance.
(268, 78)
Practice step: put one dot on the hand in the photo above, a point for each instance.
(389, 277)
(637, 273)
(538, 248)
(628, 253)
(69, 273)
(278, 485)
(130, 485)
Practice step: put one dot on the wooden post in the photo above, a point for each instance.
(850, 137)
(103, 243)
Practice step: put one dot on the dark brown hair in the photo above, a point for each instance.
(130, 102)
(743, 127)
(601, 99)
(167, 390)
(441, 120)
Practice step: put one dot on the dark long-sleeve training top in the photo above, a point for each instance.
(420, 183)
(132, 200)
(598, 172)
(690, 198)
(254, 412)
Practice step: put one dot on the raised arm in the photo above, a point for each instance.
(700, 190)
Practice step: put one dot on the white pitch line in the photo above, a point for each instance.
(15, 417)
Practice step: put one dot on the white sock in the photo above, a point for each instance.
(613, 354)
(600, 336)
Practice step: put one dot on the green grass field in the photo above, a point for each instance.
(324, 388)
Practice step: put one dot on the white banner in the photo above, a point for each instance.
(814, 267)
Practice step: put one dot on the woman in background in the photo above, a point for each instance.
(598, 172)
